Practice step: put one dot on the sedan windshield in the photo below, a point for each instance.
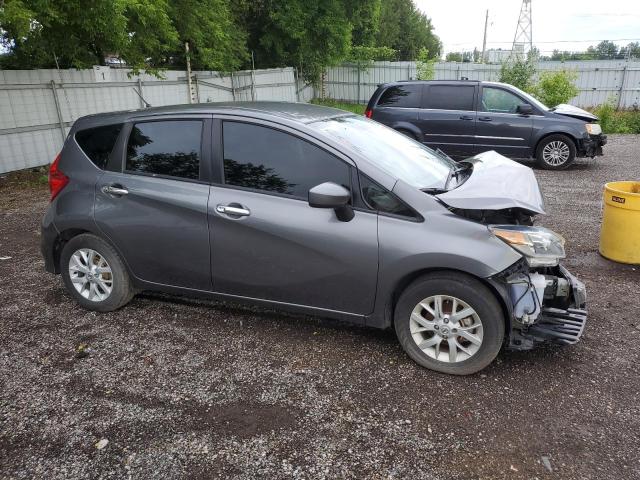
(393, 152)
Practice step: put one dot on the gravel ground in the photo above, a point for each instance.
(175, 388)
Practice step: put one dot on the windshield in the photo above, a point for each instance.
(393, 152)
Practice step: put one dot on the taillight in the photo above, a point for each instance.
(57, 179)
(368, 112)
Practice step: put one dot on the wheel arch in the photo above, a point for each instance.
(569, 135)
(68, 234)
(409, 278)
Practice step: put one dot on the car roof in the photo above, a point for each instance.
(453, 82)
(295, 112)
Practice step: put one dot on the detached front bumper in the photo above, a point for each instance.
(591, 146)
(561, 315)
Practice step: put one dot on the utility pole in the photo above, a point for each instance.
(484, 40)
(192, 91)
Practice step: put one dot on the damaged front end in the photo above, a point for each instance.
(546, 304)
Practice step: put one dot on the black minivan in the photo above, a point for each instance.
(463, 118)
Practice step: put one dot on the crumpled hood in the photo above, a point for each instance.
(496, 183)
(575, 112)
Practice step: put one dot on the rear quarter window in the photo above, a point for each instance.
(403, 96)
(97, 143)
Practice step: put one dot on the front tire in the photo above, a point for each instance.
(555, 152)
(449, 322)
(94, 274)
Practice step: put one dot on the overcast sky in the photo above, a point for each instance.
(460, 23)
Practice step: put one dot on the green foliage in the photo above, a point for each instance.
(618, 121)
(147, 34)
(518, 73)
(308, 35)
(364, 16)
(407, 30)
(363, 56)
(425, 65)
(151, 34)
(350, 107)
(555, 87)
(462, 56)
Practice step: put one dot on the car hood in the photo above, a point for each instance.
(496, 183)
(575, 112)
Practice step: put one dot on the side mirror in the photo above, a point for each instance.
(332, 195)
(524, 109)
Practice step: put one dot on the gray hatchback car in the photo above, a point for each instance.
(314, 210)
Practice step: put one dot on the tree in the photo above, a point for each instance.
(606, 49)
(79, 34)
(555, 87)
(407, 30)
(425, 65)
(453, 57)
(518, 73)
(208, 26)
(364, 16)
(147, 34)
(308, 35)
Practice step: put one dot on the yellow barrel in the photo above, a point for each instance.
(620, 234)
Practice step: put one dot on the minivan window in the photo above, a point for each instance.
(263, 158)
(403, 96)
(169, 148)
(393, 152)
(449, 97)
(97, 143)
(498, 100)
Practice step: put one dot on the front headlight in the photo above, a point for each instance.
(593, 128)
(541, 247)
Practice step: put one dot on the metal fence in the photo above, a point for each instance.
(599, 81)
(38, 107)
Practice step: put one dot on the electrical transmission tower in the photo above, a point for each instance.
(523, 40)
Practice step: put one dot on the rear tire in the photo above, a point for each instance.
(475, 334)
(555, 152)
(94, 274)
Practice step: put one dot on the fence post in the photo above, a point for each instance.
(233, 89)
(358, 99)
(57, 102)
(142, 102)
(621, 92)
(253, 86)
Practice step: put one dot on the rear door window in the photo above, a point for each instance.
(167, 148)
(449, 97)
(97, 143)
(402, 96)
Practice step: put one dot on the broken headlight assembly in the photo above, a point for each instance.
(593, 128)
(540, 246)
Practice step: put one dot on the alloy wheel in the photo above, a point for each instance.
(556, 153)
(91, 274)
(446, 328)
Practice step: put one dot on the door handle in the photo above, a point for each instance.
(113, 190)
(484, 119)
(233, 210)
(466, 117)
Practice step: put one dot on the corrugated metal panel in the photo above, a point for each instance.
(29, 124)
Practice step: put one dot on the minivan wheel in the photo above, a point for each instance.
(449, 322)
(555, 152)
(94, 274)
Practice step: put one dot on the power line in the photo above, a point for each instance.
(509, 42)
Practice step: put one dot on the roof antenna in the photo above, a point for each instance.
(146, 104)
